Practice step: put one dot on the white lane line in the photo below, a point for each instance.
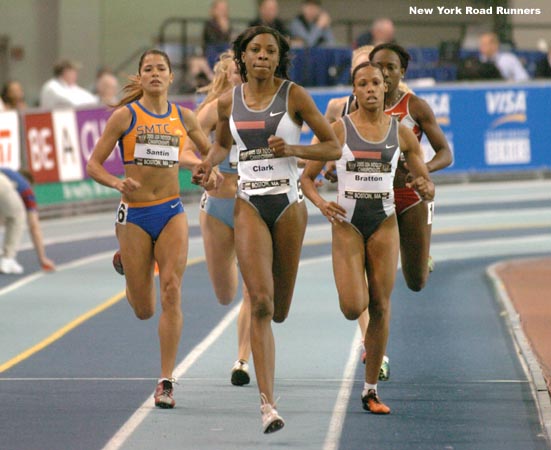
(296, 381)
(70, 265)
(333, 436)
(37, 275)
(143, 411)
(120, 437)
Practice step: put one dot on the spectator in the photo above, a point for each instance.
(63, 90)
(12, 212)
(23, 181)
(543, 66)
(268, 15)
(507, 63)
(13, 96)
(217, 30)
(381, 32)
(312, 27)
(106, 88)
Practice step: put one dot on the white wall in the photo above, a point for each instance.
(33, 26)
(533, 26)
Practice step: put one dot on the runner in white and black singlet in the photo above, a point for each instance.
(264, 116)
(267, 182)
(366, 174)
(364, 227)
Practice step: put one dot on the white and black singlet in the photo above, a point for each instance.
(268, 183)
(366, 176)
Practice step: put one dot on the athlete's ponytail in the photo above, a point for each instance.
(132, 91)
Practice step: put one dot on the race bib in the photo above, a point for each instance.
(157, 150)
(122, 213)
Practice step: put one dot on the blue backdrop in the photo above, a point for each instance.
(489, 126)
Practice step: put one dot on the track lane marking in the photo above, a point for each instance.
(58, 334)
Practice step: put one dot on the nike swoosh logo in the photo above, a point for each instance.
(175, 205)
(273, 114)
(173, 118)
(389, 146)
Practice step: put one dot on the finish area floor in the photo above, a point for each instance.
(77, 369)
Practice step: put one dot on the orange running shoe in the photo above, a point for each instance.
(372, 403)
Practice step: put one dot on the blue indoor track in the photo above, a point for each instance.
(77, 369)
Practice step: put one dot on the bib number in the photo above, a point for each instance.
(430, 213)
(122, 213)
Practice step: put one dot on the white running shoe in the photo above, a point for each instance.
(10, 265)
(271, 420)
(240, 373)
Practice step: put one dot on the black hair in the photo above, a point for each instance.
(402, 53)
(241, 42)
(363, 65)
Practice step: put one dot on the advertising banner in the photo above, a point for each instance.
(41, 147)
(10, 148)
(90, 124)
(490, 127)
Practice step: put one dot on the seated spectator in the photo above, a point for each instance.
(381, 32)
(13, 96)
(312, 27)
(217, 30)
(62, 90)
(507, 63)
(268, 12)
(106, 88)
(22, 181)
(543, 66)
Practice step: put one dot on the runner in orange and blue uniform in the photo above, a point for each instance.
(151, 225)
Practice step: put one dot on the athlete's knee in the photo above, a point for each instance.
(143, 307)
(416, 283)
(379, 310)
(170, 293)
(351, 312)
(224, 296)
(262, 306)
(143, 312)
(280, 316)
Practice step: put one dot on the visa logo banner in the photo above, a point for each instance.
(440, 105)
(509, 105)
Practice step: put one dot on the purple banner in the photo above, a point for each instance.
(91, 124)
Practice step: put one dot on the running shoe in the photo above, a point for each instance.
(431, 263)
(163, 394)
(271, 420)
(10, 265)
(371, 403)
(384, 371)
(117, 262)
(240, 373)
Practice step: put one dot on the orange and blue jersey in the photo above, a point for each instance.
(151, 139)
(23, 188)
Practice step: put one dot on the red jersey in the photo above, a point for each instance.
(401, 111)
